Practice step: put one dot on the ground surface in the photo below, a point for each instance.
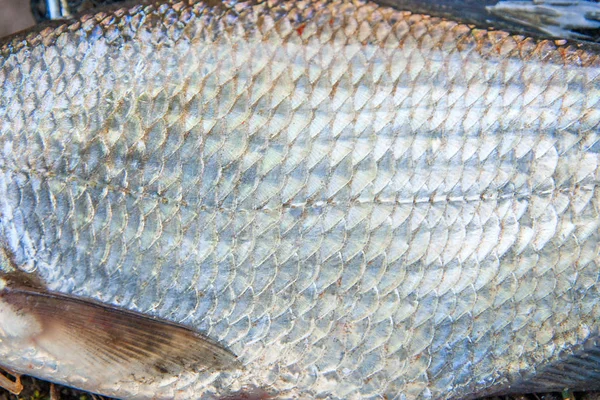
(39, 390)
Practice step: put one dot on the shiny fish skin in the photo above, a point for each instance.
(356, 201)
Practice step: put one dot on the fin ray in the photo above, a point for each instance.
(577, 369)
(110, 335)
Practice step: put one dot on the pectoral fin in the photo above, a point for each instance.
(96, 338)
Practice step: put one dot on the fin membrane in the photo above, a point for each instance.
(569, 19)
(98, 337)
(577, 371)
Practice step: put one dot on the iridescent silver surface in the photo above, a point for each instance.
(356, 201)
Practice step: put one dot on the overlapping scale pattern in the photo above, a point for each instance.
(358, 202)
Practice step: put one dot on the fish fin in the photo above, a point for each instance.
(577, 370)
(253, 393)
(572, 19)
(15, 387)
(99, 337)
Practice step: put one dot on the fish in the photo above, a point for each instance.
(570, 19)
(316, 199)
(562, 19)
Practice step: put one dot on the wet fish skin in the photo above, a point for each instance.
(356, 201)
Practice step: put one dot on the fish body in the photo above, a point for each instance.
(355, 201)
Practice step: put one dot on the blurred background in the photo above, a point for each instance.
(15, 15)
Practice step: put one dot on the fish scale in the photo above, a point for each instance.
(358, 202)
